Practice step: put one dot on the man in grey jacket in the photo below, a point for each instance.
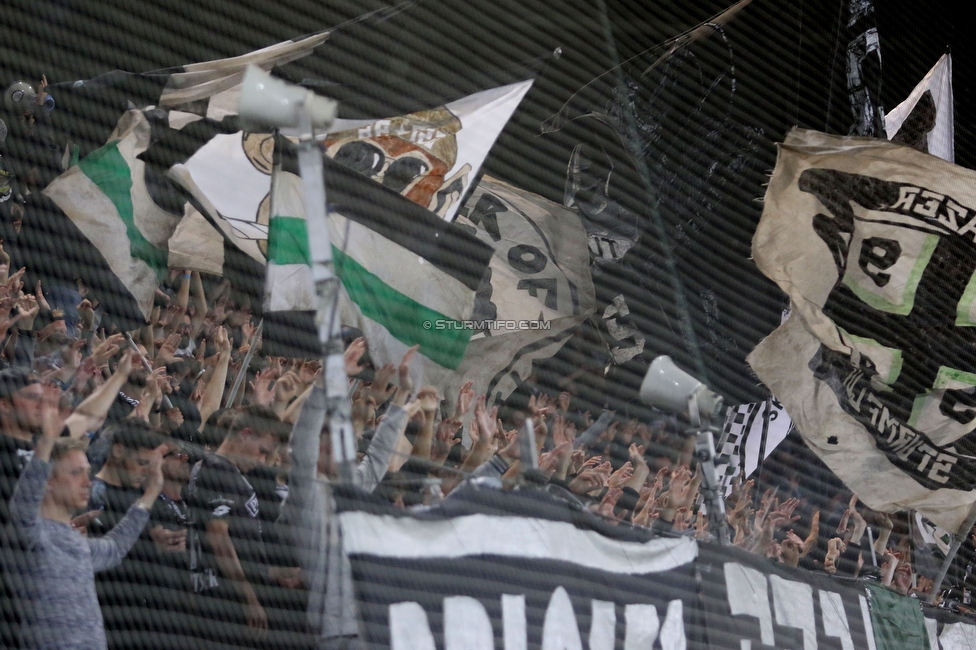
(56, 576)
(308, 517)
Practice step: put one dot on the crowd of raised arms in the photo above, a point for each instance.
(209, 522)
(107, 413)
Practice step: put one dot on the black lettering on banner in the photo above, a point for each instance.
(532, 285)
(871, 259)
(910, 450)
(534, 263)
(920, 326)
(953, 399)
(485, 213)
(792, 611)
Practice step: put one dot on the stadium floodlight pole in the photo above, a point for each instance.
(270, 102)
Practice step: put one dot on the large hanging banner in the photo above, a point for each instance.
(752, 603)
(522, 570)
(874, 243)
(533, 573)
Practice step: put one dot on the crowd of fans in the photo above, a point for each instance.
(207, 517)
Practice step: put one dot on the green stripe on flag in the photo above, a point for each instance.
(402, 316)
(109, 171)
(288, 241)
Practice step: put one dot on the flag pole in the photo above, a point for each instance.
(338, 409)
(957, 540)
(244, 364)
(767, 405)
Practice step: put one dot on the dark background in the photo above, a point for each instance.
(690, 284)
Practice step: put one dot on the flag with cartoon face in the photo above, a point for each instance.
(874, 243)
(431, 157)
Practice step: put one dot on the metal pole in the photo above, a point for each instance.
(874, 556)
(338, 408)
(957, 541)
(767, 406)
(244, 364)
(710, 487)
(528, 452)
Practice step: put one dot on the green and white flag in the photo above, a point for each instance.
(408, 277)
(106, 198)
(289, 285)
(506, 284)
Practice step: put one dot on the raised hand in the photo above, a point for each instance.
(14, 282)
(609, 502)
(107, 348)
(247, 330)
(537, 406)
(591, 479)
(549, 462)
(86, 315)
(682, 520)
(167, 351)
(636, 454)
(621, 476)
(287, 388)
(683, 488)
(563, 401)
(464, 400)
(154, 479)
(560, 433)
(307, 372)
(835, 547)
(6, 322)
(380, 388)
(783, 515)
(352, 356)
(403, 374)
(701, 526)
(151, 394)
(429, 399)
(842, 526)
(261, 391)
(444, 439)
(576, 460)
(201, 351)
(222, 341)
(29, 309)
(487, 420)
(648, 514)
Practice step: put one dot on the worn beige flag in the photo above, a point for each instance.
(874, 243)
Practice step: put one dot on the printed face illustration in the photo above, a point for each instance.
(411, 154)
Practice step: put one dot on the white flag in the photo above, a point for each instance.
(924, 120)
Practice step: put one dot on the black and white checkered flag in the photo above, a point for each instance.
(739, 448)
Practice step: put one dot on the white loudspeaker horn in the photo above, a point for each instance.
(668, 387)
(267, 102)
